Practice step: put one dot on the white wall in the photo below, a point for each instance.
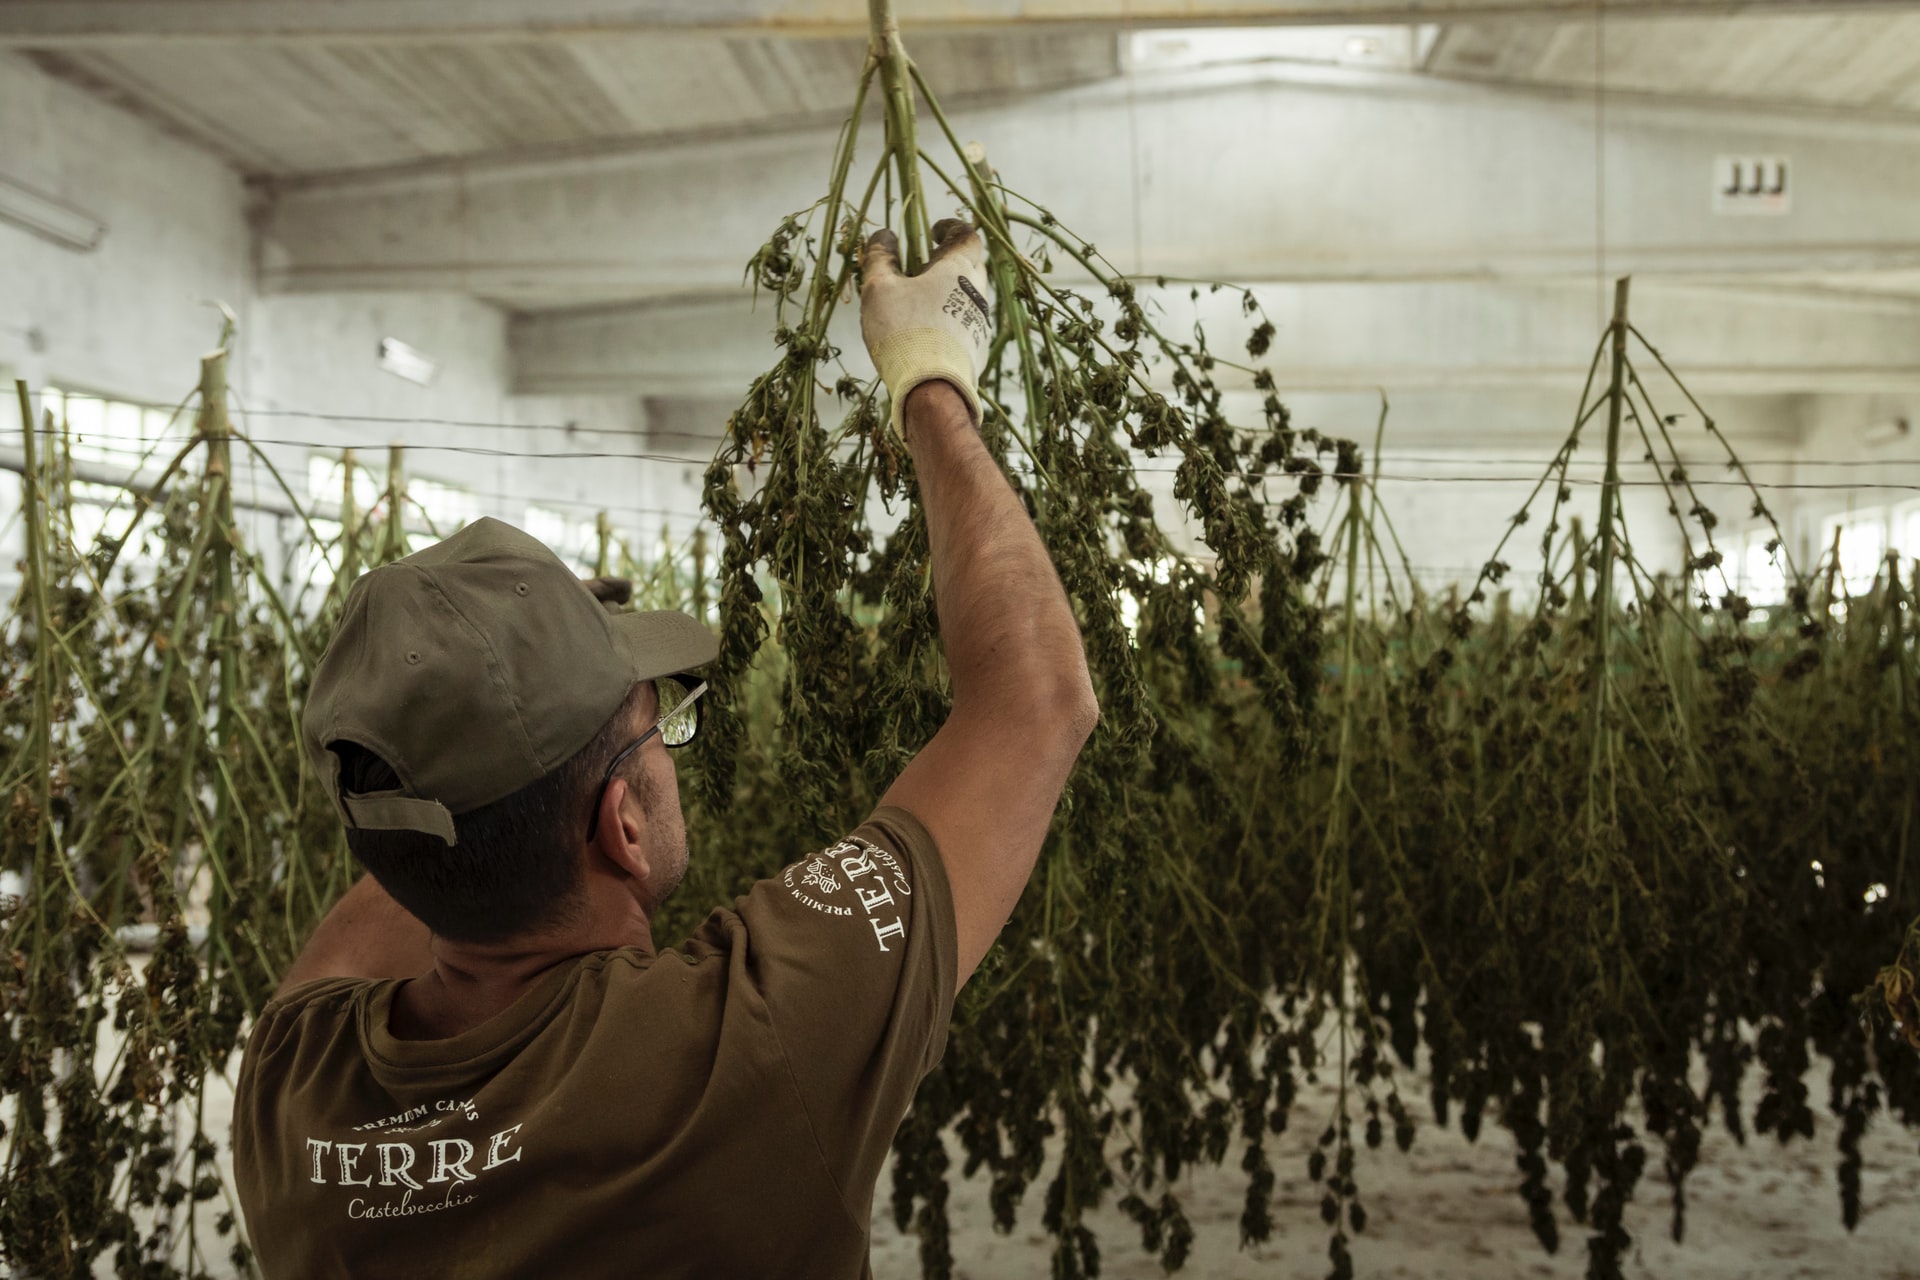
(130, 320)
(1815, 460)
(1456, 466)
(1855, 464)
(127, 317)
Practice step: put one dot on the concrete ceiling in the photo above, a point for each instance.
(291, 87)
(1392, 168)
(106, 22)
(1307, 174)
(296, 107)
(1856, 61)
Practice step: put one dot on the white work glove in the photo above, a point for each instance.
(935, 325)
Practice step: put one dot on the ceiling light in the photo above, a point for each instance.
(403, 361)
(1180, 50)
(52, 219)
(1888, 431)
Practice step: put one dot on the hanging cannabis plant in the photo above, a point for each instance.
(1076, 390)
(1586, 853)
(1578, 846)
(155, 793)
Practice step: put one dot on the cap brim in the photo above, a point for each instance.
(664, 642)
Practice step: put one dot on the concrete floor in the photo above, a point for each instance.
(1447, 1210)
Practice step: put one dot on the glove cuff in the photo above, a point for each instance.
(909, 357)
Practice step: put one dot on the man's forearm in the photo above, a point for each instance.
(987, 785)
(1009, 634)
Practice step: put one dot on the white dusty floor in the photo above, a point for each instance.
(1448, 1210)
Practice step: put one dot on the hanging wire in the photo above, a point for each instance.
(134, 459)
(1600, 158)
(1127, 39)
(714, 440)
(314, 415)
(1405, 477)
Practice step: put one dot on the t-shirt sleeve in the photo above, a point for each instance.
(285, 1053)
(853, 950)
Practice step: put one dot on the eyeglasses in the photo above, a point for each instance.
(676, 728)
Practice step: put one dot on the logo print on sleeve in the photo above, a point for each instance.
(819, 876)
(878, 881)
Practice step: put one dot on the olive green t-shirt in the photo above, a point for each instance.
(721, 1109)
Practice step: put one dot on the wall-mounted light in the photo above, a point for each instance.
(403, 361)
(1888, 431)
(50, 218)
(1373, 47)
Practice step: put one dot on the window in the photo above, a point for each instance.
(1906, 530)
(1859, 540)
(115, 432)
(302, 582)
(119, 436)
(103, 509)
(1761, 572)
(1161, 572)
(443, 508)
(571, 539)
(447, 508)
(327, 479)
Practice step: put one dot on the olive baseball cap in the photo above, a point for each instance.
(474, 668)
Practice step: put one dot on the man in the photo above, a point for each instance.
(482, 1064)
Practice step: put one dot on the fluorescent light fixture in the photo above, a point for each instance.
(1888, 431)
(50, 218)
(403, 361)
(1187, 49)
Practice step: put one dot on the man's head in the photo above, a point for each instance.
(463, 720)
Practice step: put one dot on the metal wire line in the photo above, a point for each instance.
(1583, 482)
(1143, 468)
(380, 419)
(255, 465)
(372, 447)
(708, 438)
(136, 456)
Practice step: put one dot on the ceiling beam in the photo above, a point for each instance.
(1261, 175)
(104, 22)
(1534, 336)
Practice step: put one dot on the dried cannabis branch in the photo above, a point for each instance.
(822, 511)
(154, 781)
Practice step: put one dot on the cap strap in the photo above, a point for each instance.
(395, 812)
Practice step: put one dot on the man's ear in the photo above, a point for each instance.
(617, 838)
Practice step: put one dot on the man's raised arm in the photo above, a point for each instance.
(1023, 706)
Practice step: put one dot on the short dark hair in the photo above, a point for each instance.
(514, 868)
